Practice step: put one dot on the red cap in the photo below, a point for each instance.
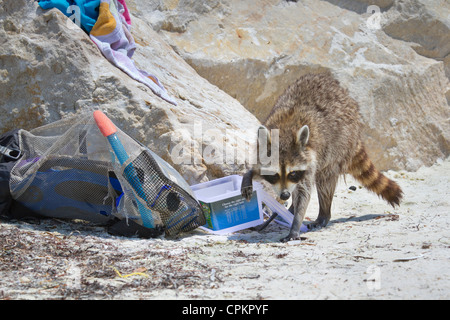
(105, 125)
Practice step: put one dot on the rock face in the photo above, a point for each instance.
(392, 55)
(392, 59)
(423, 23)
(49, 69)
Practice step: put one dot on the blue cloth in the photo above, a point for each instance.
(88, 10)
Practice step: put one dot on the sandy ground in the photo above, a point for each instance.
(368, 251)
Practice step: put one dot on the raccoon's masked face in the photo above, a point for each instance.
(293, 161)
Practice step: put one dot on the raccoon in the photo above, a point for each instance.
(319, 128)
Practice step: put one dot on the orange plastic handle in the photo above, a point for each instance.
(105, 125)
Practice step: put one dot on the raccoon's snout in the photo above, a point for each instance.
(285, 195)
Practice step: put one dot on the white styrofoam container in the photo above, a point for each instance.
(285, 217)
(227, 211)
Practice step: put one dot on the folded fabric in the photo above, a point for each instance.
(117, 44)
(88, 10)
(108, 24)
(125, 12)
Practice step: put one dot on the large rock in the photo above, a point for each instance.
(50, 70)
(423, 23)
(254, 51)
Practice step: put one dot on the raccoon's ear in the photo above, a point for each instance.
(263, 135)
(303, 136)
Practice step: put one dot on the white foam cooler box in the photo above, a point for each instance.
(227, 211)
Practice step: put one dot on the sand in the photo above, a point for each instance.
(368, 251)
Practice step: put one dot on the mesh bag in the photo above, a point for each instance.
(68, 169)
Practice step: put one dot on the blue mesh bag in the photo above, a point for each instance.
(70, 170)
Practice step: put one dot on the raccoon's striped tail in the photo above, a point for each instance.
(365, 172)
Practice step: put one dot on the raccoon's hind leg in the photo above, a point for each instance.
(326, 185)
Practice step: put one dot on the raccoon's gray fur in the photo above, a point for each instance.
(319, 139)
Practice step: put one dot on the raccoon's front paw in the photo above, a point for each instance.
(292, 238)
(247, 192)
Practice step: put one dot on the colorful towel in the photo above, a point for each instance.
(88, 10)
(117, 44)
(111, 34)
(125, 13)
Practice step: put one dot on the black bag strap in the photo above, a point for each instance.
(129, 228)
(10, 153)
